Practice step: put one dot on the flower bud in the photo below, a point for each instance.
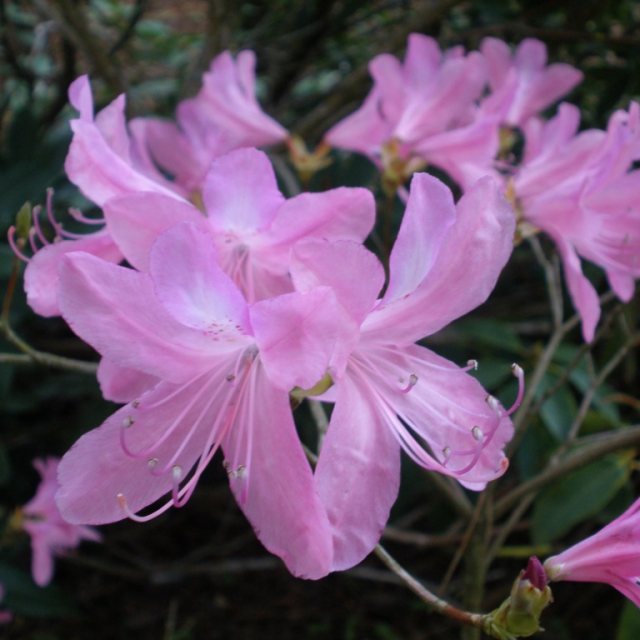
(519, 615)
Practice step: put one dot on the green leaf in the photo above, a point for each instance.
(26, 598)
(558, 411)
(629, 623)
(578, 496)
(490, 333)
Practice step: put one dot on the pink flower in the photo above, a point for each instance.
(224, 116)
(522, 84)
(423, 109)
(224, 370)
(228, 100)
(580, 189)
(393, 393)
(51, 535)
(250, 222)
(612, 555)
(104, 161)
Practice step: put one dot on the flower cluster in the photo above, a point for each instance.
(235, 300)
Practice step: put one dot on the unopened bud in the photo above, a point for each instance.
(23, 221)
(519, 615)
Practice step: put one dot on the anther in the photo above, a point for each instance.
(135, 404)
(230, 377)
(413, 379)
(493, 403)
(446, 452)
(152, 462)
(477, 433)
(472, 365)
(127, 422)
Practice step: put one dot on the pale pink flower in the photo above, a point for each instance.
(522, 84)
(51, 535)
(612, 556)
(250, 222)
(223, 116)
(224, 370)
(424, 108)
(103, 162)
(393, 393)
(581, 190)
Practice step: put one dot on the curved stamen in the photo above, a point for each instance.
(519, 374)
(472, 365)
(122, 501)
(76, 214)
(11, 237)
(35, 217)
(32, 240)
(147, 451)
(413, 379)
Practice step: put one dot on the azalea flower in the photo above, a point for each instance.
(522, 85)
(103, 161)
(394, 394)
(581, 190)
(612, 556)
(51, 535)
(423, 111)
(250, 222)
(224, 370)
(223, 116)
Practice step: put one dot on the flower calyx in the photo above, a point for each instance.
(519, 615)
(306, 162)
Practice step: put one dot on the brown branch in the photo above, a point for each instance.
(584, 453)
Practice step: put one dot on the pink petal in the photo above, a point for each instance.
(387, 75)
(116, 311)
(193, 288)
(358, 472)
(428, 218)
(241, 192)
(447, 408)
(301, 336)
(98, 171)
(354, 273)
(339, 214)
(41, 561)
(41, 280)
(120, 384)
(273, 483)
(136, 220)
(498, 57)
(168, 420)
(364, 130)
(229, 94)
(465, 153)
(81, 98)
(584, 296)
(465, 272)
(113, 127)
(171, 150)
(422, 59)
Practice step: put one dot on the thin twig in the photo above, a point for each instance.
(41, 357)
(438, 604)
(584, 453)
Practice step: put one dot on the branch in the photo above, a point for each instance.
(584, 454)
(436, 603)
